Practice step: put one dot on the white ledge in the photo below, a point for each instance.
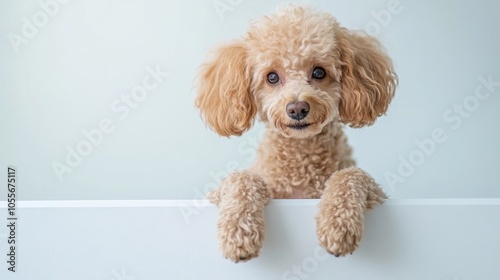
(205, 203)
(442, 239)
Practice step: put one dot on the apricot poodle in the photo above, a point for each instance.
(305, 76)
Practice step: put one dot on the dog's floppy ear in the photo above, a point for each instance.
(224, 97)
(368, 80)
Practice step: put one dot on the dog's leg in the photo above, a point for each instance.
(348, 194)
(241, 198)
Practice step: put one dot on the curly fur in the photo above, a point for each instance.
(312, 162)
(224, 98)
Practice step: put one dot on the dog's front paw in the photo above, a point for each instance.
(214, 196)
(340, 231)
(241, 236)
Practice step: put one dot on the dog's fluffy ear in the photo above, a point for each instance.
(368, 80)
(224, 97)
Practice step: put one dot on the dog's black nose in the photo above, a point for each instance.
(297, 110)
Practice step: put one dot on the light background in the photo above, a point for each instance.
(89, 53)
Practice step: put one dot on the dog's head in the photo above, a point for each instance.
(299, 70)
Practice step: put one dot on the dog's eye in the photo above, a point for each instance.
(318, 73)
(273, 78)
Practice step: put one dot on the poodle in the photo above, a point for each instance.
(306, 77)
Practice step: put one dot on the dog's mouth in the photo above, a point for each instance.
(299, 126)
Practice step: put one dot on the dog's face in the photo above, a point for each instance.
(295, 71)
(299, 101)
(299, 70)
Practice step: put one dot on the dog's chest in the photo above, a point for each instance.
(302, 175)
(297, 169)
